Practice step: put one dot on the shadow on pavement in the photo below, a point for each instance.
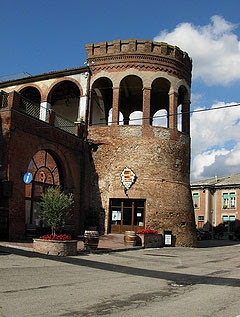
(179, 278)
(214, 243)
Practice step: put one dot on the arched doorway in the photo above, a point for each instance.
(44, 171)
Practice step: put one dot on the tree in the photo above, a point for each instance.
(55, 207)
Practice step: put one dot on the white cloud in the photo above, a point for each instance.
(214, 48)
(215, 141)
(206, 159)
(211, 129)
(195, 97)
(234, 157)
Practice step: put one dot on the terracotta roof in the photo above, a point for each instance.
(219, 181)
(52, 74)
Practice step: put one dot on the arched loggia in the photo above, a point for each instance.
(130, 96)
(64, 100)
(183, 110)
(101, 102)
(30, 101)
(159, 105)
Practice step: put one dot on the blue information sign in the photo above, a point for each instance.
(27, 178)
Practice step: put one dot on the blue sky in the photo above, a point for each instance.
(41, 36)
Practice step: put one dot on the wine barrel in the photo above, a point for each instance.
(130, 238)
(91, 239)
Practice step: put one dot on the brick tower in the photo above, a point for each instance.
(139, 125)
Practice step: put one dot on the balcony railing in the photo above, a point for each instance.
(39, 112)
(3, 99)
(64, 124)
(30, 108)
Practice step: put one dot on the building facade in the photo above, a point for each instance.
(217, 203)
(115, 133)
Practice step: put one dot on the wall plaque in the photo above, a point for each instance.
(128, 178)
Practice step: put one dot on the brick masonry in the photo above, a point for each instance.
(160, 159)
(24, 137)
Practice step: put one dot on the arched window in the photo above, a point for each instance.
(159, 100)
(101, 102)
(130, 97)
(45, 172)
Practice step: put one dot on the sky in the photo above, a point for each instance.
(46, 35)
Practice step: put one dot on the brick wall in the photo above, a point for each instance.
(26, 136)
(160, 159)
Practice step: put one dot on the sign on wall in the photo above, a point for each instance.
(116, 215)
(128, 178)
(27, 178)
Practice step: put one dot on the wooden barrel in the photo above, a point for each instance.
(130, 238)
(91, 239)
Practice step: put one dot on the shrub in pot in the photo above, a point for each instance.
(55, 207)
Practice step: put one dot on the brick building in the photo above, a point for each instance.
(115, 133)
(217, 202)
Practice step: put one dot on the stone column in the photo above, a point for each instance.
(51, 117)
(44, 107)
(115, 106)
(173, 103)
(146, 106)
(186, 116)
(82, 109)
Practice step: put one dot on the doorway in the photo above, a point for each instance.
(126, 214)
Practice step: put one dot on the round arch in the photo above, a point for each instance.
(43, 171)
(183, 110)
(32, 93)
(58, 82)
(130, 96)
(183, 85)
(64, 99)
(159, 100)
(101, 101)
(117, 77)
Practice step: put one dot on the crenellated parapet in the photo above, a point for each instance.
(141, 54)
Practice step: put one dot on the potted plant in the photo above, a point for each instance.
(55, 207)
(150, 238)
